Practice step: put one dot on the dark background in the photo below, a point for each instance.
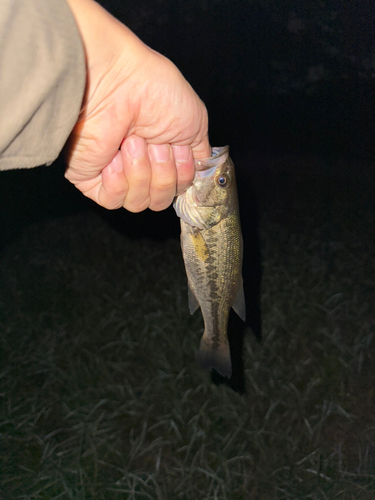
(280, 80)
(286, 76)
(289, 85)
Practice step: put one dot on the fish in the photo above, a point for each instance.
(212, 248)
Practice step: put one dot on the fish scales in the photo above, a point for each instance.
(211, 244)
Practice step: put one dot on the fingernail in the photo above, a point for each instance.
(159, 152)
(116, 164)
(181, 153)
(136, 147)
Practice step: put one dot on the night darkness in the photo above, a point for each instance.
(100, 393)
(284, 85)
(278, 79)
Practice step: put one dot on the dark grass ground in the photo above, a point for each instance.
(101, 397)
(100, 394)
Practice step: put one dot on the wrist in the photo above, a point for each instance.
(107, 42)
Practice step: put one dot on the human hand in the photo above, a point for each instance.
(135, 99)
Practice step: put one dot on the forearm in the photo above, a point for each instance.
(110, 48)
(102, 33)
(42, 80)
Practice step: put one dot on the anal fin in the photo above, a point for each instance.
(193, 303)
(239, 305)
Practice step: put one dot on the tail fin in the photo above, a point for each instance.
(217, 357)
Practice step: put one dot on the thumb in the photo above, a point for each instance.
(203, 149)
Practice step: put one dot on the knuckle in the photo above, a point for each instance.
(140, 177)
(110, 202)
(165, 184)
(113, 205)
(118, 191)
(139, 182)
(136, 206)
(162, 204)
(158, 207)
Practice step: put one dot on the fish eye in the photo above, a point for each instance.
(223, 180)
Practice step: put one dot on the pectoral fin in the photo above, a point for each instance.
(239, 303)
(193, 303)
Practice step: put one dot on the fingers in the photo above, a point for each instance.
(108, 187)
(203, 150)
(114, 186)
(164, 176)
(183, 156)
(141, 176)
(155, 173)
(172, 172)
(137, 170)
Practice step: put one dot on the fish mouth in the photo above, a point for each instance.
(218, 156)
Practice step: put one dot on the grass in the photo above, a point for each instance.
(101, 397)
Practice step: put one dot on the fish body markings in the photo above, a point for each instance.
(211, 244)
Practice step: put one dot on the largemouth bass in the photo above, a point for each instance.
(211, 244)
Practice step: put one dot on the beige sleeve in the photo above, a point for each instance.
(42, 80)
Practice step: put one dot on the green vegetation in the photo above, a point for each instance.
(100, 394)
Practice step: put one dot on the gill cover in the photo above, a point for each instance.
(188, 212)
